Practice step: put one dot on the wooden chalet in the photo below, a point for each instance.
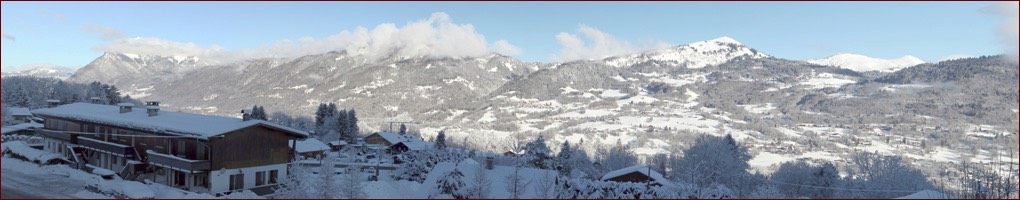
(636, 174)
(200, 153)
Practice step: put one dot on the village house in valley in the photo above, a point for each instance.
(199, 153)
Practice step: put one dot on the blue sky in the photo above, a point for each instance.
(74, 33)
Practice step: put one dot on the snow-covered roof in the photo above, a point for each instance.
(416, 145)
(19, 127)
(19, 111)
(166, 122)
(394, 138)
(639, 169)
(310, 145)
(338, 143)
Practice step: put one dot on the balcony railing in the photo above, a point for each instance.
(107, 147)
(67, 137)
(177, 163)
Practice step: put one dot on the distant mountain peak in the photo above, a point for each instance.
(725, 40)
(862, 63)
(42, 70)
(694, 55)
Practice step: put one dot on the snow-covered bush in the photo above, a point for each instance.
(417, 164)
(452, 183)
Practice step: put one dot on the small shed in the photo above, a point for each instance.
(20, 115)
(337, 145)
(310, 148)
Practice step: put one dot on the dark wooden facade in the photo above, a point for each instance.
(252, 146)
(635, 177)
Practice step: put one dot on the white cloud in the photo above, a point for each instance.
(436, 36)
(105, 32)
(505, 48)
(160, 47)
(1008, 31)
(8, 36)
(955, 56)
(602, 45)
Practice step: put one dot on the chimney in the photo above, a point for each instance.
(152, 107)
(125, 107)
(488, 162)
(51, 103)
(245, 114)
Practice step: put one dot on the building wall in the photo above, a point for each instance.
(219, 179)
(249, 147)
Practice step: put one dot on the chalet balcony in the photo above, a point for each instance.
(63, 136)
(108, 147)
(177, 163)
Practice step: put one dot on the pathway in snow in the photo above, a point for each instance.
(19, 185)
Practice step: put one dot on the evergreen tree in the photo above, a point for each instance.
(452, 183)
(539, 152)
(352, 129)
(343, 120)
(403, 129)
(563, 159)
(320, 114)
(441, 140)
(112, 95)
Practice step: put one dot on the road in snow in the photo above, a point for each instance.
(23, 186)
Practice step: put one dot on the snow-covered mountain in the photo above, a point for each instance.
(124, 69)
(43, 70)
(693, 55)
(654, 101)
(863, 63)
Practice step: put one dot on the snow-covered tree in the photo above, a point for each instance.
(712, 160)
(20, 98)
(352, 129)
(869, 171)
(565, 167)
(353, 185)
(480, 186)
(403, 129)
(327, 179)
(538, 152)
(283, 119)
(516, 185)
(329, 129)
(6, 114)
(258, 112)
(342, 118)
(441, 140)
(112, 95)
(295, 184)
(545, 185)
(452, 183)
(320, 114)
(617, 157)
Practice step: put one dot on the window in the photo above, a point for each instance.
(272, 176)
(236, 181)
(260, 178)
